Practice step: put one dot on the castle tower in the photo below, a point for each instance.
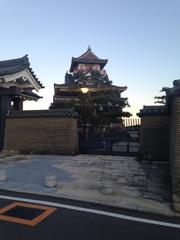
(88, 71)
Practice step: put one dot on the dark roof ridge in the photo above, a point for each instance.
(23, 60)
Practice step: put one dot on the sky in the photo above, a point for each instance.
(140, 39)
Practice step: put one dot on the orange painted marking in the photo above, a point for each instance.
(33, 222)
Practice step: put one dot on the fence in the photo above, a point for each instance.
(115, 138)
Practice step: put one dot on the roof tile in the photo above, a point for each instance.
(12, 66)
(62, 113)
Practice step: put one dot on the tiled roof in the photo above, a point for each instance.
(13, 66)
(153, 110)
(175, 90)
(62, 113)
(88, 57)
(92, 88)
(17, 92)
(30, 95)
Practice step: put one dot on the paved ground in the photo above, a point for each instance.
(111, 180)
(79, 220)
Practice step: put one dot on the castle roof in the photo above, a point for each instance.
(87, 58)
(66, 88)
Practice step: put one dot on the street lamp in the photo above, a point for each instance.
(84, 91)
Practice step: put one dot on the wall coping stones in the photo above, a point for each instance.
(53, 113)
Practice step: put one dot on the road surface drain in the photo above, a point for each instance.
(25, 213)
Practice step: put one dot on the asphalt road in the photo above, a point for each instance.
(84, 221)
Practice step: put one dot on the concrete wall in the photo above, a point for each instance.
(44, 135)
(175, 151)
(155, 137)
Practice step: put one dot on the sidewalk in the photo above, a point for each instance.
(111, 180)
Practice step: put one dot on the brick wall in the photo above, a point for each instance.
(175, 151)
(154, 137)
(44, 135)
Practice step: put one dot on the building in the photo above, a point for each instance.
(86, 73)
(17, 82)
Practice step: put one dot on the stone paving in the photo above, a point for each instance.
(111, 180)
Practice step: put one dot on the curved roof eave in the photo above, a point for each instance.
(15, 66)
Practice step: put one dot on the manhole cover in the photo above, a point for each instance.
(25, 213)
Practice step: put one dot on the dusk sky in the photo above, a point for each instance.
(140, 38)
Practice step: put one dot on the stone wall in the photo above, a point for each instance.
(41, 135)
(161, 134)
(175, 151)
(154, 137)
